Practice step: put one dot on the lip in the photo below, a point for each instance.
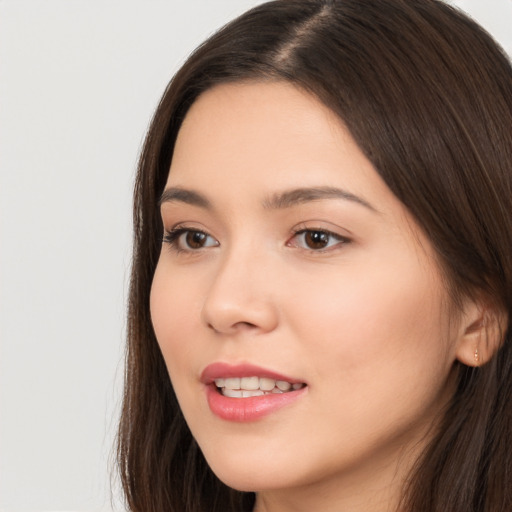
(251, 408)
(219, 370)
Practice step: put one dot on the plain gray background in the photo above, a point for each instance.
(79, 80)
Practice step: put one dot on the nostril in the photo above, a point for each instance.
(247, 325)
(210, 326)
(238, 326)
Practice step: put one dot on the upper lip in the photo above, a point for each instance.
(220, 370)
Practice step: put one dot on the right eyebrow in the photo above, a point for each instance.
(181, 195)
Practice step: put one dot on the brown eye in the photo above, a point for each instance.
(316, 239)
(195, 239)
(182, 239)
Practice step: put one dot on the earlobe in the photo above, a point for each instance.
(481, 335)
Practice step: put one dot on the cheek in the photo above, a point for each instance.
(379, 353)
(172, 304)
(374, 323)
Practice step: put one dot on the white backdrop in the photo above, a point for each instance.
(78, 83)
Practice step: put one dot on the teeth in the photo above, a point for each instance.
(267, 384)
(233, 393)
(232, 383)
(239, 393)
(257, 392)
(283, 385)
(250, 383)
(243, 387)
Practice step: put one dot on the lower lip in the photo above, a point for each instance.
(251, 408)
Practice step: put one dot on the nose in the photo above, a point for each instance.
(241, 297)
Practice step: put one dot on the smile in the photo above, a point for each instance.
(245, 387)
(245, 393)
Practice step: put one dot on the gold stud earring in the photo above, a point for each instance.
(476, 357)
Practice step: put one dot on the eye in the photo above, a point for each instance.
(183, 239)
(317, 239)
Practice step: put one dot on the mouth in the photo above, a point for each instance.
(245, 393)
(246, 387)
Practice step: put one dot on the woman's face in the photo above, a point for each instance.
(288, 263)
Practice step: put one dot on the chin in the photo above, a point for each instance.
(251, 476)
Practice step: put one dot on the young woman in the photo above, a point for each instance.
(322, 276)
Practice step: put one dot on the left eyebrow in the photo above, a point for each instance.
(297, 196)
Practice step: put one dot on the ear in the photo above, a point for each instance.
(481, 333)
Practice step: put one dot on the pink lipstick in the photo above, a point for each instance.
(244, 393)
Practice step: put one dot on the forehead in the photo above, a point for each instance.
(266, 131)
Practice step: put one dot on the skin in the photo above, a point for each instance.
(364, 322)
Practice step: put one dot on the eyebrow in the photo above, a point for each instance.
(277, 201)
(296, 196)
(182, 195)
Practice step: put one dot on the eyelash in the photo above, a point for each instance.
(341, 240)
(172, 238)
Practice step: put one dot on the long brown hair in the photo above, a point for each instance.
(427, 95)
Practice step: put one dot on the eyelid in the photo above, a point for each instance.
(342, 240)
(172, 238)
(324, 226)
